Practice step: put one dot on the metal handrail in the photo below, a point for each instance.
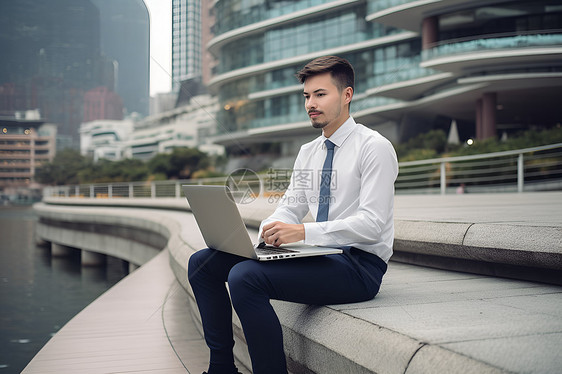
(482, 155)
(444, 161)
(426, 176)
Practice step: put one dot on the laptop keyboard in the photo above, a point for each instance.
(271, 250)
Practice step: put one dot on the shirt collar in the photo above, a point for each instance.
(342, 133)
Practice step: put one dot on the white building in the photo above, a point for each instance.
(187, 126)
(105, 138)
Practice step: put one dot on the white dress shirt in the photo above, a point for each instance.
(362, 191)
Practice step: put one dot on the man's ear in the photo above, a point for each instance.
(348, 94)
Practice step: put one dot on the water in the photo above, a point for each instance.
(39, 294)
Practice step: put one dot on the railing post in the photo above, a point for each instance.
(131, 191)
(77, 191)
(443, 179)
(178, 189)
(152, 189)
(520, 173)
(92, 191)
(109, 191)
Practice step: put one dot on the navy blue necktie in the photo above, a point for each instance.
(325, 181)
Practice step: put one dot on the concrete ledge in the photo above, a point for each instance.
(423, 321)
(533, 246)
(510, 235)
(324, 340)
(130, 239)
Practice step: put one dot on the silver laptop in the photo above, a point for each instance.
(223, 229)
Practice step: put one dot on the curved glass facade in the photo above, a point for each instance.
(509, 19)
(233, 14)
(382, 55)
(340, 27)
(479, 45)
(378, 5)
(240, 113)
(320, 33)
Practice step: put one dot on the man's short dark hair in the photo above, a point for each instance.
(340, 69)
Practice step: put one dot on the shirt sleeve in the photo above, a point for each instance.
(369, 224)
(292, 206)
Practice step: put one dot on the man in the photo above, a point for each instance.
(352, 198)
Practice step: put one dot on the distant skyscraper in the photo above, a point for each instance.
(207, 22)
(50, 57)
(53, 52)
(124, 38)
(102, 103)
(186, 41)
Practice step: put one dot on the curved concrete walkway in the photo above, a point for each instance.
(423, 321)
(141, 325)
(122, 331)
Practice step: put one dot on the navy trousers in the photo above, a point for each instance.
(353, 276)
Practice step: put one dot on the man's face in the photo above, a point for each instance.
(325, 105)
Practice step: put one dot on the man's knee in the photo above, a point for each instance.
(243, 280)
(196, 262)
(236, 276)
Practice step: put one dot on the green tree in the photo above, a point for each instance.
(160, 165)
(106, 171)
(525, 139)
(180, 164)
(426, 145)
(64, 168)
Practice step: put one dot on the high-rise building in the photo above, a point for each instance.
(207, 22)
(102, 103)
(55, 51)
(124, 39)
(186, 42)
(50, 57)
(490, 66)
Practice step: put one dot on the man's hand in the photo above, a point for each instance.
(277, 233)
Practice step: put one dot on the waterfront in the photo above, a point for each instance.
(39, 294)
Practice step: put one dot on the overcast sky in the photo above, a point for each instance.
(160, 45)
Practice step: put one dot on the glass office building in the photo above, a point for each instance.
(124, 38)
(492, 66)
(53, 52)
(186, 41)
(50, 57)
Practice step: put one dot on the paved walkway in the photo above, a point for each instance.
(427, 320)
(141, 325)
(526, 209)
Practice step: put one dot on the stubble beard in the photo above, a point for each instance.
(318, 125)
(321, 124)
